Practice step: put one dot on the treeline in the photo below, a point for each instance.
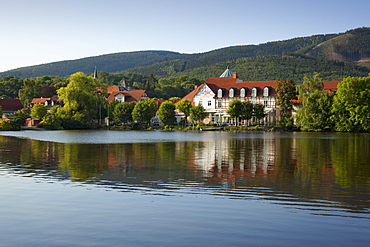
(47, 86)
(288, 66)
(346, 110)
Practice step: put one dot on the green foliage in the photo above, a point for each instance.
(9, 125)
(287, 122)
(184, 106)
(286, 92)
(316, 111)
(166, 113)
(53, 121)
(9, 87)
(197, 113)
(259, 111)
(351, 107)
(144, 110)
(81, 101)
(235, 108)
(38, 111)
(30, 89)
(122, 112)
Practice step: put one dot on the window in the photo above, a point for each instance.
(219, 93)
(265, 103)
(266, 92)
(254, 92)
(231, 93)
(219, 104)
(242, 93)
(209, 103)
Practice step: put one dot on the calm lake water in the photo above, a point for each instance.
(152, 188)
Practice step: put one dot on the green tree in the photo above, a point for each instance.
(197, 114)
(38, 111)
(122, 112)
(166, 113)
(259, 111)
(144, 110)
(81, 101)
(310, 84)
(286, 92)
(30, 89)
(235, 110)
(315, 112)
(247, 112)
(184, 106)
(351, 107)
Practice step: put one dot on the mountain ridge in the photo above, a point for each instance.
(168, 63)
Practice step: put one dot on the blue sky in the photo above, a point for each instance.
(42, 31)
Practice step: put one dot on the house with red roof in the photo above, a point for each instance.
(10, 106)
(216, 93)
(120, 94)
(48, 102)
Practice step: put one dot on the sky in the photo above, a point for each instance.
(42, 31)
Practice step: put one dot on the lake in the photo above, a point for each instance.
(153, 188)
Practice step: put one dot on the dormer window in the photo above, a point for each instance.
(266, 92)
(231, 93)
(219, 93)
(254, 92)
(242, 93)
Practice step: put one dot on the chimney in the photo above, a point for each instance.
(195, 86)
(235, 75)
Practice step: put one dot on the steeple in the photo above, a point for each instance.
(227, 73)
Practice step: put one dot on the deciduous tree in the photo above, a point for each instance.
(144, 110)
(122, 112)
(197, 113)
(166, 113)
(351, 107)
(184, 107)
(38, 111)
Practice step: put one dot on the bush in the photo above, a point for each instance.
(8, 125)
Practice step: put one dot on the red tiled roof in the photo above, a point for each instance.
(39, 100)
(331, 85)
(10, 105)
(130, 96)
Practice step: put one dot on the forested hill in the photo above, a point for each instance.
(333, 55)
(122, 61)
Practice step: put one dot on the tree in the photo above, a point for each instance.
(166, 113)
(259, 111)
(247, 112)
(315, 112)
(144, 110)
(184, 107)
(30, 89)
(310, 84)
(197, 113)
(286, 92)
(38, 111)
(316, 105)
(235, 109)
(122, 112)
(82, 101)
(351, 107)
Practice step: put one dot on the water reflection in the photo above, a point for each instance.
(300, 172)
